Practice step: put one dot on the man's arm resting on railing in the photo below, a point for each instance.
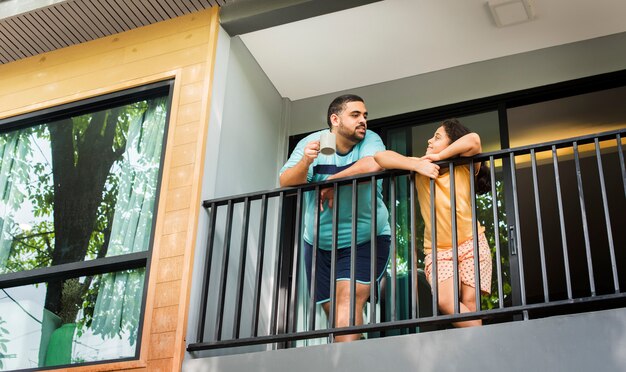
(361, 166)
(392, 160)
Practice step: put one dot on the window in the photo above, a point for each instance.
(78, 192)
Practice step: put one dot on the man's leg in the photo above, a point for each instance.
(342, 306)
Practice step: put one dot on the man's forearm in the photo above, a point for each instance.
(362, 166)
(296, 175)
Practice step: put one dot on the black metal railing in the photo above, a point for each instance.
(553, 215)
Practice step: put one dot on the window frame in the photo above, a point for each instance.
(111, 264)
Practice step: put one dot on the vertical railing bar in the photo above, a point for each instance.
(374, 250)
(295, 261)
(559, 198)
(393, 248)
(496, 230)
(353, 255)
(433, 248)
(333, 261)
(607, 218)
(520, 256)
(542, 252)
(475, 235)
(583, 212)
(278, 258)
(412, 254)
(221, 298)
(259, 268)
(621, 161)
(312, 285)
(242, 266)
(207, 274)
(455, 240)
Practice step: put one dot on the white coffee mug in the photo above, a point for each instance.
(327, 143)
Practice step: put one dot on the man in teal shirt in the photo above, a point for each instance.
(355, 149)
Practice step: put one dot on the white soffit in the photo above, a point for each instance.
(394, 39)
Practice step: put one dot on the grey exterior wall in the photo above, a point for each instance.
(246, 128)
(476, 80)
(583, 342)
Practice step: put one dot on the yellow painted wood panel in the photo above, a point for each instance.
(184, 154)
(192, 74)
(176, 221)
(74, 86)
(161, 345)
(179, 198)
(90, 64)
(161, 365)
(139, 35)
(168, 294)
(184, 134)
(159, 46)
(170, 269)
(164, 319)
(181, 176)
(191, 92)
(172, 244)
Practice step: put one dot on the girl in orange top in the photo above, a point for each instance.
(451, 139)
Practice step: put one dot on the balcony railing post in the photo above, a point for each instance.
(393, 248)
(557, 180)
(475, 235)
(259, 268)
(415, 313)
(542, 253)
(620, 153)
(583, 212)
(333, 261)
(455, 240)
(496, 230)
(607, 218)
(373, 250)
(433, 247)
(518, 238)
(207, 274)
(278, 258)
(312, 285)
(221, 297)
(295, 263)
(241, 267)
(355, 199)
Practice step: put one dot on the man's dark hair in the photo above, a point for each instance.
(339, 104)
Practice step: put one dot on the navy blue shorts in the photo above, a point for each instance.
(363, 275)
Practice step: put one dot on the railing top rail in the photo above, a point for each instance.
(522, 150)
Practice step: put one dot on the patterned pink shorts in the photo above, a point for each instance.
(466, 264)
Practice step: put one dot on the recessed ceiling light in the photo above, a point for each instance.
(511, 12)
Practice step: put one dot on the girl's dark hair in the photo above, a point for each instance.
(455, 130)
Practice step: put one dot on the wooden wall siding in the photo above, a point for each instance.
(182, 49)
(62, 24)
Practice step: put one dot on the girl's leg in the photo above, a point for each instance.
(446, 302)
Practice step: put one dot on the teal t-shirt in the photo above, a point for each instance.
(322, 168)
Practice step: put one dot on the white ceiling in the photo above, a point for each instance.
(393, 39)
